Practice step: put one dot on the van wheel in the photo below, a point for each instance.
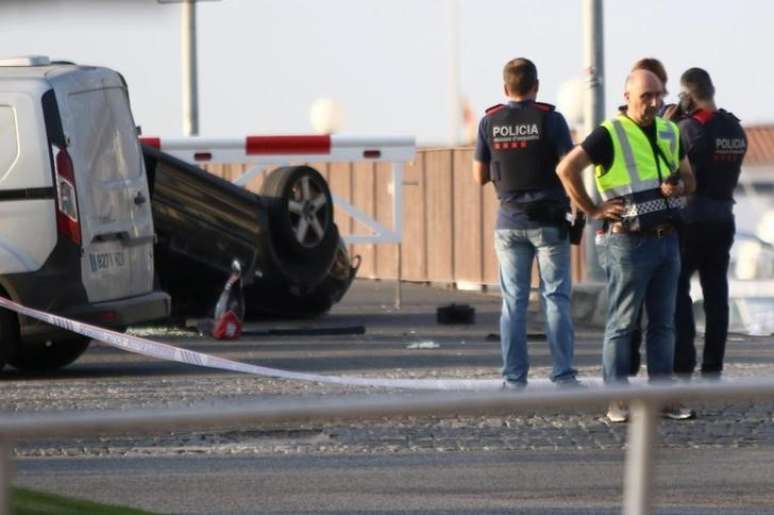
(47, 356)
(9, 334)
(300, 209)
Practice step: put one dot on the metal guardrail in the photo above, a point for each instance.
(644, 402)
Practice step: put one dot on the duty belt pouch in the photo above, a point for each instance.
(576, 228)
(546, 212)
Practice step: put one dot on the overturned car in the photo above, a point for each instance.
(293, 261)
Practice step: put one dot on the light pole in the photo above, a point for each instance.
(594, 113)
(189, 94)
(455, 106)
(189, 87)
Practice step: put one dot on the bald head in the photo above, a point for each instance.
(642, 79)
(643, 93)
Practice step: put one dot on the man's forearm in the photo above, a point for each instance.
(573, 185)
(686, 174)
(480, 172)
(570, 172)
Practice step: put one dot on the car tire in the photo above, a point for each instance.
(9, 334)
(48, 356)
(300, 210)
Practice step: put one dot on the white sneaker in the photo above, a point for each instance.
(510, 385)
(617, 412)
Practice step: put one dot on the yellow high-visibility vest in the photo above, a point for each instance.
(636, 164)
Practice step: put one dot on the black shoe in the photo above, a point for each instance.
(569, 383)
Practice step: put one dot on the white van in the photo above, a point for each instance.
(76, 232)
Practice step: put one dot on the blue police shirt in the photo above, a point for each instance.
(558, 134)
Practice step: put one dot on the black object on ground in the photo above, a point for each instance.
(456, 314)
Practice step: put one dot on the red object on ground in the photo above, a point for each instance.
(227, 327)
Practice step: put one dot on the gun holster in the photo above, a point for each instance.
(576, 228)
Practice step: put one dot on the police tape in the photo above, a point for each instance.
(167, 352)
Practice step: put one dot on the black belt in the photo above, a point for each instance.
(658, 231)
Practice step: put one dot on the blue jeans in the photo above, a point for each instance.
(516, 250)
(640, 268)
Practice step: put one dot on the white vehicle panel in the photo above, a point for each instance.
(18, 221)
(24, 164)
(28, 165)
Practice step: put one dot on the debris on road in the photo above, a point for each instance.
(429, 344)
(456, 314)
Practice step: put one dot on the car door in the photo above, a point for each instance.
(112, 190)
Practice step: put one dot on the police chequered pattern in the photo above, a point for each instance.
(643, 208)
(676, 203)
(651, 206)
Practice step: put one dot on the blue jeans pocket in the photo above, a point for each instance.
(550, 236)
(624, 242)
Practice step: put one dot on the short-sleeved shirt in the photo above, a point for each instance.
(509, 216)
(599, 145)
(697, 143)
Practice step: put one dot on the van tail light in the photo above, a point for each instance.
(67, 206)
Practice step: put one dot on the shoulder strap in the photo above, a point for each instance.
(492, 109)
(542, 106)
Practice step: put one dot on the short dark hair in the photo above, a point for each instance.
(698, 83)
(653, 65)
(520, 75)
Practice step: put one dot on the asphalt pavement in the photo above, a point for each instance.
(546, 462)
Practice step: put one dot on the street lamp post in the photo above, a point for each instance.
(189, 94)
(594, 113)
(189, 87)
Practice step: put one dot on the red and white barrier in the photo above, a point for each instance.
(290, 148)
(262, 151)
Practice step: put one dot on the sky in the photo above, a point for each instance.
(262, 63)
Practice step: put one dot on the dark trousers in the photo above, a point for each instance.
(705, 249)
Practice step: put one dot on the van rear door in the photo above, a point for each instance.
(112, 189)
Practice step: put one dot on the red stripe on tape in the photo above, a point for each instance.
(288, 144)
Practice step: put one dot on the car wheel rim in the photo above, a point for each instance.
(308, 210)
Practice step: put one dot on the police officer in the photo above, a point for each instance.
(519, 145)
(640, 172)
(665, 111)
(716, 144)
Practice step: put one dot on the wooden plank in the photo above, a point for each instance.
(491, 206)
(439, 215)
(468, 221)
(256, 182)
(363, 194)
(414, 246)
(579, 259)
(340, 183)
(386, 254)
(215, 169)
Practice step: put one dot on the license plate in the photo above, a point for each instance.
(103, 261)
